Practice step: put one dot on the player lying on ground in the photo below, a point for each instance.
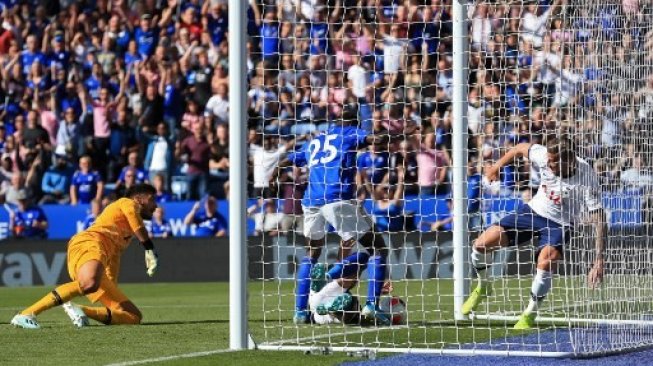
(94, 262)
(331, 301)
(569, 187)
(330, 198)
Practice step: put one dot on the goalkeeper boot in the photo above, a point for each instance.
(475, 299)
(76, 314)
(25, 322)
(526, 321)
(339, 304)
(372, 312)
(318, 277)
(301, 317)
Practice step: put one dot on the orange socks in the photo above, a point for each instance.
(110, 316)
(60, 295)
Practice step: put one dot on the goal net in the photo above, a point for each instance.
(536, 69)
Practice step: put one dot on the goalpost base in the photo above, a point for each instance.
(450, 352)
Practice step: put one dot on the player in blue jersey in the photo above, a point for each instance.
(330, 198)
(86, 184)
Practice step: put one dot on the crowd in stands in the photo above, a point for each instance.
(100, 95)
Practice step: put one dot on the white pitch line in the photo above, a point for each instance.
(169, 358)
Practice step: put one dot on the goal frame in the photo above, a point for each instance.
(239, 334)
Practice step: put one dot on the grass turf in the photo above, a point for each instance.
(184, 318)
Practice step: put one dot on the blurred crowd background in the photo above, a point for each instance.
(99, 95)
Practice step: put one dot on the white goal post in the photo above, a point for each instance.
(510, 71)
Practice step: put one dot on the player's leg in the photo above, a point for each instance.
(352, 223)
(86, 281)
(481, 257)
(484, 246)
(550, 253)
(513, 228)
(314, 231)
(348, 267)
(118, 309)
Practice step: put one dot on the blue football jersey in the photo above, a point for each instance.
(86, 185)
(25, 221)
(331, 159)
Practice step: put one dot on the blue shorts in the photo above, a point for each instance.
(525, 224)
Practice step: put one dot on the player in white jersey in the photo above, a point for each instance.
(334, 303)
(331, 301)
(568, 189)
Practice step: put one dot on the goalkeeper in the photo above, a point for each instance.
(94, 262)
(568, 187)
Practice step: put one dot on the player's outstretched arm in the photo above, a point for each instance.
(595, 276)
(517, 151)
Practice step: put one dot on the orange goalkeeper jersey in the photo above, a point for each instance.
(114, 227)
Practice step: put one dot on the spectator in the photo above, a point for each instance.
(86, 184)
(17, 186)
(141, 176)
(122, 142)
(208, 222)
(372, 166)
(56, 182)
(162, 194)
(444, 221)
(159, 154)
(292, 187)
(405, 158)
(69, 137)
(267, 221)
(34, 136)
(194, 151)
(264, 163)
(388, 210)
(433, 163)
(129, 180)
(636, 175)
(218, 105)
(26, 220)
(159, 226)
(94, 212)
(218, 169)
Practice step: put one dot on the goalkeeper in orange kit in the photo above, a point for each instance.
(94, 262)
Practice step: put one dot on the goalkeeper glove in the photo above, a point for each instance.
(151, 262)
(151, 258)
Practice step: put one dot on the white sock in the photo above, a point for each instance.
(481, 263)
(541, 287)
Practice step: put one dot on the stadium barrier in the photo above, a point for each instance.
(412, 256)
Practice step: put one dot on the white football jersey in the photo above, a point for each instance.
(564, 200)
(325, 296)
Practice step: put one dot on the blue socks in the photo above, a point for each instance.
(376, 272)
(303, 283)
(349, 266)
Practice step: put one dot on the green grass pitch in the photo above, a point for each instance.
(185, 318)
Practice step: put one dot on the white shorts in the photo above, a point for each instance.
(328, 293)
(347, 217)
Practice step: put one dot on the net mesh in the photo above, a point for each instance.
(582, 69)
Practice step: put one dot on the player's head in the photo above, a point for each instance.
(562, 158)
(144, 195)
(349, 115)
